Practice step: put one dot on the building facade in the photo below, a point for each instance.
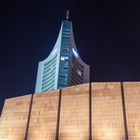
(92, 111)
(63, 67)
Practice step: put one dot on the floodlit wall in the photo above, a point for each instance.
(44, 116)
(14, 118)
(96, 111)
(74, 113)
(107, 112)
(132, 101)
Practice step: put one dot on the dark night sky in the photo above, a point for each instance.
(107, 35)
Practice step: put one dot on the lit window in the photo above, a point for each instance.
(64, 58)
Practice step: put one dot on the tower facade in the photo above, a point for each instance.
(63, 67)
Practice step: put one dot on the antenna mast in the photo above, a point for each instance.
(67, 14)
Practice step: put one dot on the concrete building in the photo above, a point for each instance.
(63, 67)
(92, 111)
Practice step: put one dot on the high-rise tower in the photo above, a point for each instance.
(63, 67)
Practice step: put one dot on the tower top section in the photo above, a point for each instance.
(67, 14)
(63, 67)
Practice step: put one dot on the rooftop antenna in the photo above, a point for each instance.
(67, 14)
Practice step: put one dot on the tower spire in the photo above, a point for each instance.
(67, 14)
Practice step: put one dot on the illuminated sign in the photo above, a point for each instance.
(75, 53)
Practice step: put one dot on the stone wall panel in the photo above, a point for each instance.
(107, 113)
(14, 118)
(132, 102)
(74, 113)
(43, 118)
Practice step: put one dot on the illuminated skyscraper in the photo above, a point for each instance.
(63, 67)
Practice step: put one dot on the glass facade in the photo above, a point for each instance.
(77, 73)
(49, 75)
(63, 80)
